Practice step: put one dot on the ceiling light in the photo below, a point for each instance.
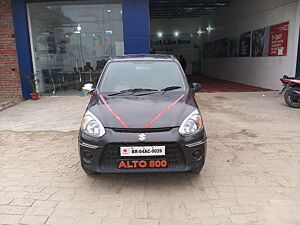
(200, 31)
(78, 27)
(176, 34)
(209, 28)
(108, 10)
(159, 34)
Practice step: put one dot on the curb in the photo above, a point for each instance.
(6, 104)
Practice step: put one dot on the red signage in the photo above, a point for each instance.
(278, 41)
(128, 164)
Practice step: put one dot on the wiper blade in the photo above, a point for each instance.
(139, 90)
(149, 93)
(170, 88)
(133, 90)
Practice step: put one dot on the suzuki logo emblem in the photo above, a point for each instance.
(142, 137)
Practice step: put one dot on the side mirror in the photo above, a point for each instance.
(88, 87)
(195, 87)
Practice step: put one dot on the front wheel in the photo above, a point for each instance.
(197, 170)
(291, 98)
(88, 172)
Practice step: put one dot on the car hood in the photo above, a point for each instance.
(164, 110)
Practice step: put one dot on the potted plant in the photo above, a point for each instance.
(33, 80)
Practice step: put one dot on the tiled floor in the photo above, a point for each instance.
(251, 176)
(211, 84)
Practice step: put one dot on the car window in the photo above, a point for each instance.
(157, 75)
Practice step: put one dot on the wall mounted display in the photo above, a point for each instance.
(245, 44)
(208, 50)
(278, 40)
(260, 42)
(233, 47)
(221, 48)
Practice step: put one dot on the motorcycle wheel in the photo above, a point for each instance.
(291, 99)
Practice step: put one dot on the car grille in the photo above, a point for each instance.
(111, 155)
(142, 130)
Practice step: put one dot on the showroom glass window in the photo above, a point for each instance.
(71, 41)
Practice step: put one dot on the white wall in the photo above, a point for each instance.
(241, 17)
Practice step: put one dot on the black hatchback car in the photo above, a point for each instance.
(142, 117)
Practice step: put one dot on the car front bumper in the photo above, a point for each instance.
(102, 155)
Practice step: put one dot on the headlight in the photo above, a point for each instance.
(91, 126)
(192, 124)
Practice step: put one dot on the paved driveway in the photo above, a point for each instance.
(251, 175)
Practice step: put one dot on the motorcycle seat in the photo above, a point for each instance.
(287, 77)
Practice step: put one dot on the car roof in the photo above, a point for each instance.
(143, 57)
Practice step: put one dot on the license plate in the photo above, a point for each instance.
(131, 164)
(143, 151)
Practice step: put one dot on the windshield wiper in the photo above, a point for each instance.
(170, 88)
(149, 93)
(133, 90)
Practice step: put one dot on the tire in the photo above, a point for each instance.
(197, 170)
(88, 172)
(289, 99)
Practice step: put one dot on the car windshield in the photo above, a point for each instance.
(148, 75)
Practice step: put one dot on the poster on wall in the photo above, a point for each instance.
(208, 50)
(260, 41)
(221, 48)
(278, 40)
(245, 44)
(233, 47)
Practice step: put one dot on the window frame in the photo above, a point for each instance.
(180, 70)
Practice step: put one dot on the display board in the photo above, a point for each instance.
(245, 44)
(233, 47)
(267, 41)
(260, 42)
(208, 50)
(278, 40)
(221, 48)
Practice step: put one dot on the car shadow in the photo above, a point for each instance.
(167, 187)
(152, 179)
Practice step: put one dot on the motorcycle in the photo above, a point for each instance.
(291, 91)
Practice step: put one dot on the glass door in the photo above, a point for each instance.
(71, 42)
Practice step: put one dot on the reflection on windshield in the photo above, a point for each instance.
(141, 75)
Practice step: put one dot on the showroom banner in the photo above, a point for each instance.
(278, 40)
(268, 41)
(208, 50)
(221, 48)
(233, 47)
(169, 41)
(260, 39)
(245, 44)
